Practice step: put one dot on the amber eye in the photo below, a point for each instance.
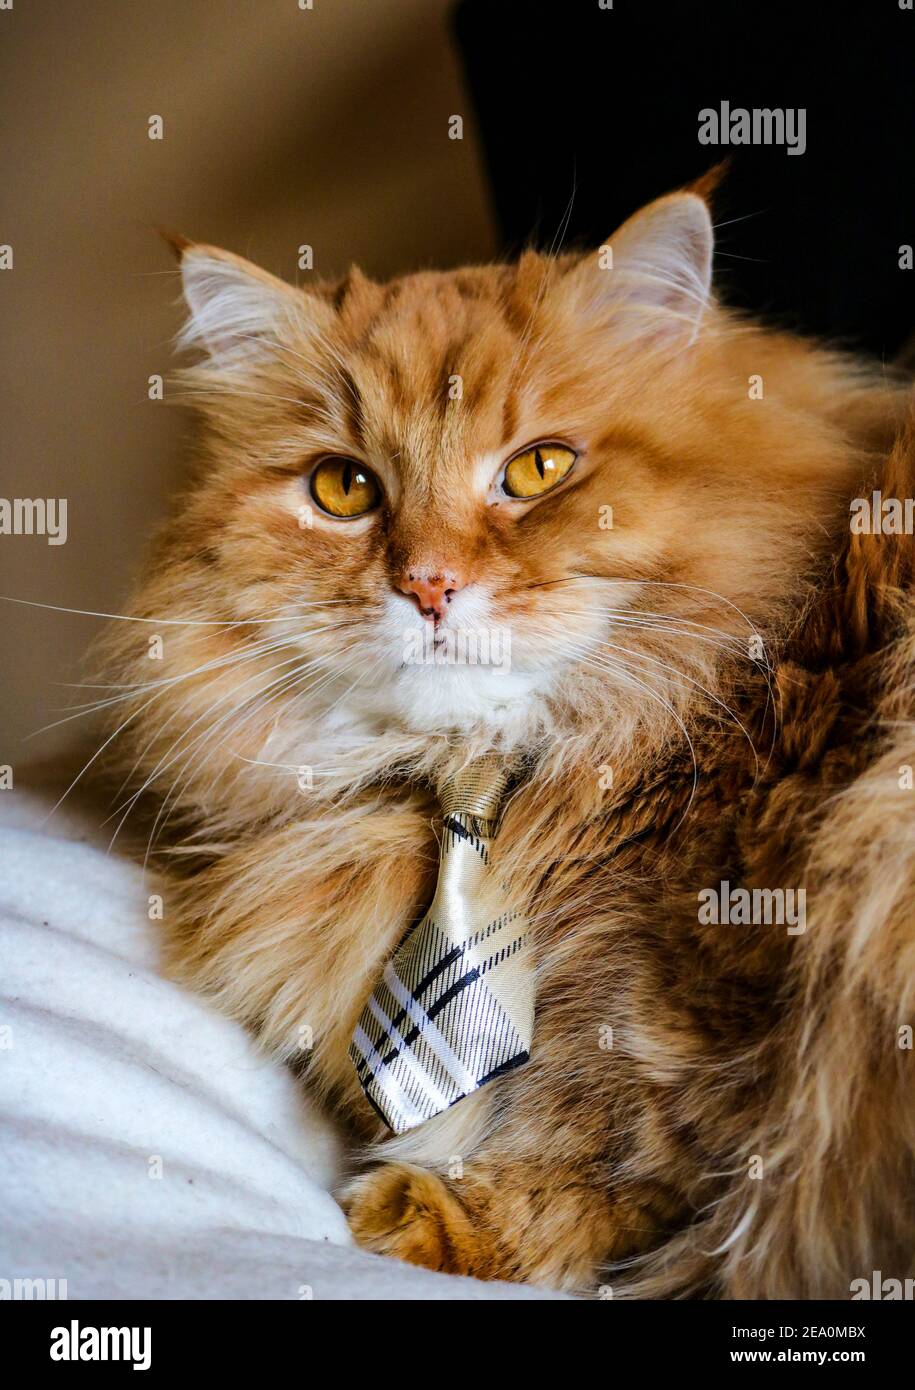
(345, 488)
(537, 470)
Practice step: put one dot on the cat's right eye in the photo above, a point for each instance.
(536, 470)
(344, 488)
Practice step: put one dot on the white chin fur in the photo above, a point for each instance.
(437, 698)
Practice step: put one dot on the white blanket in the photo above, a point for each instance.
(147, 1150)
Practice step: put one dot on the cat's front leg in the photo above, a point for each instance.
(514, 1220)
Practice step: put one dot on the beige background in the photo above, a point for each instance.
(326, 126)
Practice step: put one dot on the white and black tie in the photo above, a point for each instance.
(455, 1006)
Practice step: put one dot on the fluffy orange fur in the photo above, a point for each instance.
(717, 686)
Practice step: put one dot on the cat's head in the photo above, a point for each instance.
(458, 493)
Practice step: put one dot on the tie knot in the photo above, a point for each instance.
(477, 790)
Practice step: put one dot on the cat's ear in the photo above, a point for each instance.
(665, 253)
(234, 307)
(658, 265)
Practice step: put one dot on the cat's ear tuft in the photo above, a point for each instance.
(234, 307)
(176, 243)
(659, 266)
(708, 185)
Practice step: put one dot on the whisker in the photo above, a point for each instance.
(241, 659)
(215, 389)
(633, 619)
(183, 735)
(161, 684)
(183, 622)
(681, 675)
(657, 583)
(620, 669)
(285, 684)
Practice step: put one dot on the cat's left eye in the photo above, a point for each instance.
(536, 470)
(344, 488)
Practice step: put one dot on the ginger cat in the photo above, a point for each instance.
(710, 682)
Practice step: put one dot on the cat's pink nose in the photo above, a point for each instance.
(433, 592)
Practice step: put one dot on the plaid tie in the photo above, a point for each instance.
(455, 1005)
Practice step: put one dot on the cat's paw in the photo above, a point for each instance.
(409, 1213)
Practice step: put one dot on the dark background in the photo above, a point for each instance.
(606, 102)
